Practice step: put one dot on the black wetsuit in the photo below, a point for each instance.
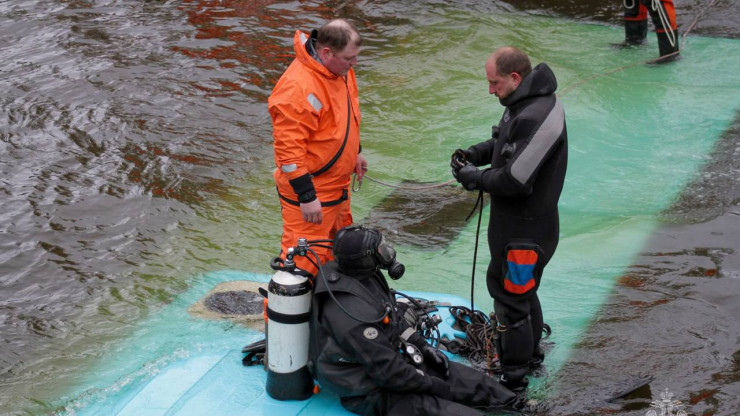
(528, 156)
(363, 363)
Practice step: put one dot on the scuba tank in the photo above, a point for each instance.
(288, 314)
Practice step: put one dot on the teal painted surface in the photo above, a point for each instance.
(149, 372)
(195, 367)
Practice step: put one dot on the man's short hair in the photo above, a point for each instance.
(337, 34)
(510, 59)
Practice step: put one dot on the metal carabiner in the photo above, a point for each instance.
(355, 189)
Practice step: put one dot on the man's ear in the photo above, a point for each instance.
(324, 52)
(517, 78)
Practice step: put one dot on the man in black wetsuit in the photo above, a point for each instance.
(527, 154)
(364, 350)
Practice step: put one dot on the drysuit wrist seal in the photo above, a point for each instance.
(309, 196)
(303, 187)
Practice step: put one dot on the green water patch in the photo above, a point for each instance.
(425, 216)
(638, 134)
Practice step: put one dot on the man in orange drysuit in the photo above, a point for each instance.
(315, 112)
(663, 14)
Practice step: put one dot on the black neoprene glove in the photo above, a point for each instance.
(469, 177)
(433, 357)
(436, 359)
(458, 159)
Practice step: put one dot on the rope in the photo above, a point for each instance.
(479, 343)
(407, 188)
(696, 19)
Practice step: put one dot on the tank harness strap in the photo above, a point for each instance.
(503, 328)
(344, 197)
(287, 319)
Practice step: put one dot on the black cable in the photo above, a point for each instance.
(479, 205)
(434, 334)
(323, 240)
(480, 335)
(321, 245)
(316, 263)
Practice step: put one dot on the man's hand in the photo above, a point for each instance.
(469, 177)
(311, 211)
(360, 167)
(436, 359)
(458, 159)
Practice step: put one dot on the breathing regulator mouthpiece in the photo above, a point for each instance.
(364, 249)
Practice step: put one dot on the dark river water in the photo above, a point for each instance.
(134, 141)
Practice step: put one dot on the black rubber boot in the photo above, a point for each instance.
(664, 44)
(635, 32)
(514, 345)
(538, 356)
(515, 378)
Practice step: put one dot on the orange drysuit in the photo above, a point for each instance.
(316, 119)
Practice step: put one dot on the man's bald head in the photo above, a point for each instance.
(508, 59)
(505, 69)
(337, 34)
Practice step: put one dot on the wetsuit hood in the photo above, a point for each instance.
(541, 81)
(305, 52)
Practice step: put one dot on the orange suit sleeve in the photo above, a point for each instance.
(294, 122)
